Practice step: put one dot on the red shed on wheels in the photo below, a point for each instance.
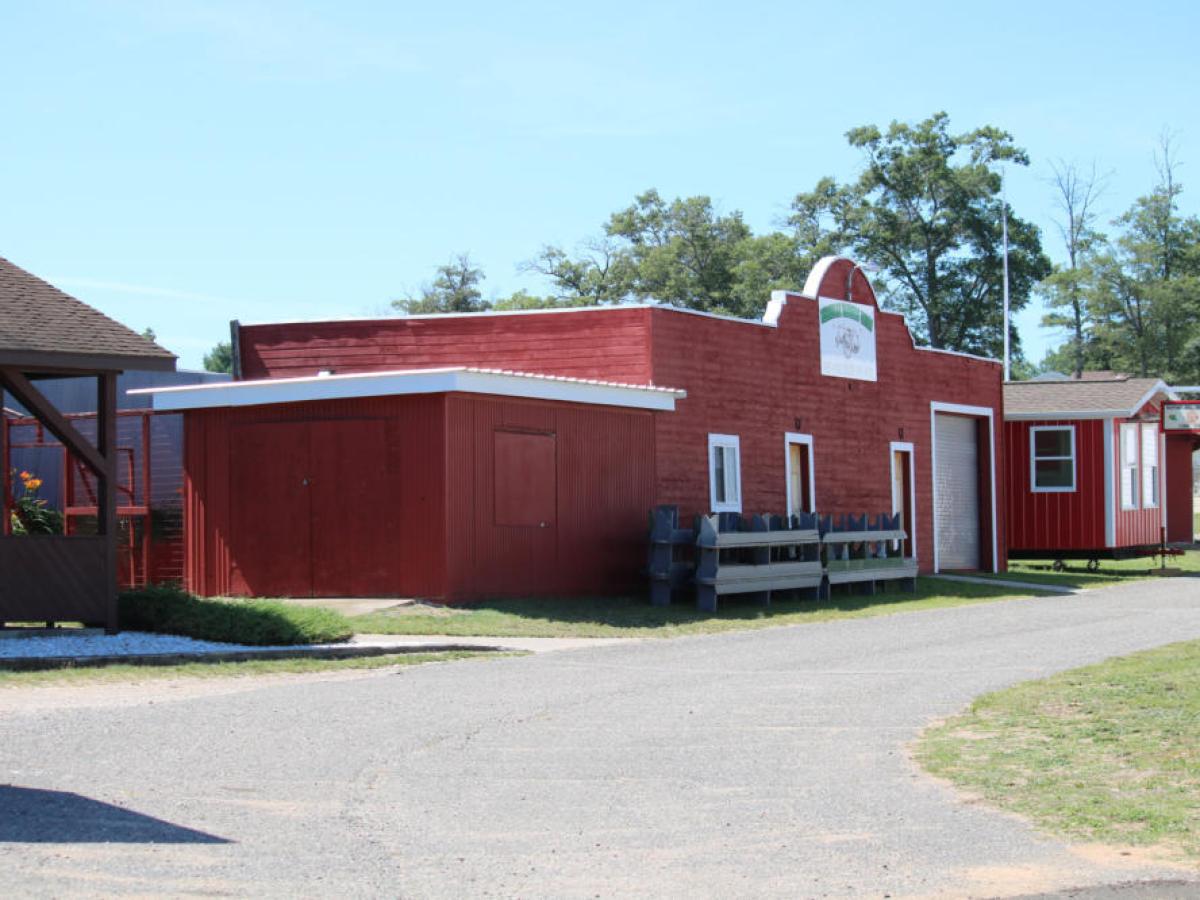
(519, 453)
(1091, 473)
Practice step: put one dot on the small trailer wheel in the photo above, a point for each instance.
(1093, 565)
(1059, 565)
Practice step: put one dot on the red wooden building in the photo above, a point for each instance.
(1089, 473)
(433, 457)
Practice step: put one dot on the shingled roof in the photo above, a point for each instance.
(40, 326)
(1117, 397)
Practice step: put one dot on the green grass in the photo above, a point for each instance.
(126, 673)
(1108, 753)
(635, 617)
(1110, 572)
(170, 610)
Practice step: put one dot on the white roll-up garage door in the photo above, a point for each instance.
(956, 492)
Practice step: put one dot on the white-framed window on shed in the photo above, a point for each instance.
(1149, 466)
(725, 472)
(1052, 458)
(1129, 466)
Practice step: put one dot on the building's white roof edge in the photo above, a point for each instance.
(494, 313)
(412, 381)
(1055, 416)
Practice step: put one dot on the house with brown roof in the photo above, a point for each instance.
(1086, 469)
(47, 334)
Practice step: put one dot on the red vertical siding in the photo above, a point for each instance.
(1135, 527)
(604, 487)
(605, 343)
(402, 499)
(1056, 521)
(1179, 486)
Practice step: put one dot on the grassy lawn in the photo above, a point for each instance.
(635, 617)
(126, 673)
(1109, 753)
(1110, 572)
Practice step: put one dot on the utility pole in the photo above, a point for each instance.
(1004, 235)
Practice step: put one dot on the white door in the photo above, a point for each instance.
(956, 492)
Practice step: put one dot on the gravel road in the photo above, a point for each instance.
(760, 764)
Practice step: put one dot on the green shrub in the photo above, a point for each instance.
(166, 609)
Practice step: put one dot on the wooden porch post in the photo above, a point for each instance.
(106, 494)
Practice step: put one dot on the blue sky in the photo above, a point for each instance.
(180, 164)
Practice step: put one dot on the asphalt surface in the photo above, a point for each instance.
(760, 764)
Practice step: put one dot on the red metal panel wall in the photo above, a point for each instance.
(1056, 521)
(608, 343)
(1179, 486)
(406, 509)
(604, 477)
(760, 383)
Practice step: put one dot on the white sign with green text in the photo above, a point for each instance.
(847, 339)
(1181, 417)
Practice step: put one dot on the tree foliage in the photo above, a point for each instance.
(1140, 310)
(1065, 290)
(455, 289)
(219, 358)
(926, 209)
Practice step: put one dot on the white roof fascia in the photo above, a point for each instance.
(493, 313)
(1159, 387)
(1054, 416)
(416, 381)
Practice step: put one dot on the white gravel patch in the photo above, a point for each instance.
(126, 643)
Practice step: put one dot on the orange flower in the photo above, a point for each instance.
(33, 484)
(25, 476)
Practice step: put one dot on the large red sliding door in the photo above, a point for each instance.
(308, 510)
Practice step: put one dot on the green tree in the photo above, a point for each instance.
(926, 209)
(455, 289)
(1066, 289)
(684, 253)
(1146, 300)
(602, 272)
(219, 358)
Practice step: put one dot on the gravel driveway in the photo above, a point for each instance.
(769, 763)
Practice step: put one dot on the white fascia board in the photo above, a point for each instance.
(498, 313)
(1063, 416)
(424, 381)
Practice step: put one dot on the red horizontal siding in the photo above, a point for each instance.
(759, 383)
(1056, 521)
(604, 343)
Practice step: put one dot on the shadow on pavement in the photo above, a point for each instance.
(30, 815)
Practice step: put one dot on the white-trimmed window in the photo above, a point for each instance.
(1149, 465)
(725, 472)
(1129, 466)
(1052, 458)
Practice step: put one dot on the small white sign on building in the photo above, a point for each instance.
(847, 339)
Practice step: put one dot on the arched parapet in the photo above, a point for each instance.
(840, 278)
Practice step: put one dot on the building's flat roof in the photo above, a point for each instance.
(1114, 397)
(463, 379)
